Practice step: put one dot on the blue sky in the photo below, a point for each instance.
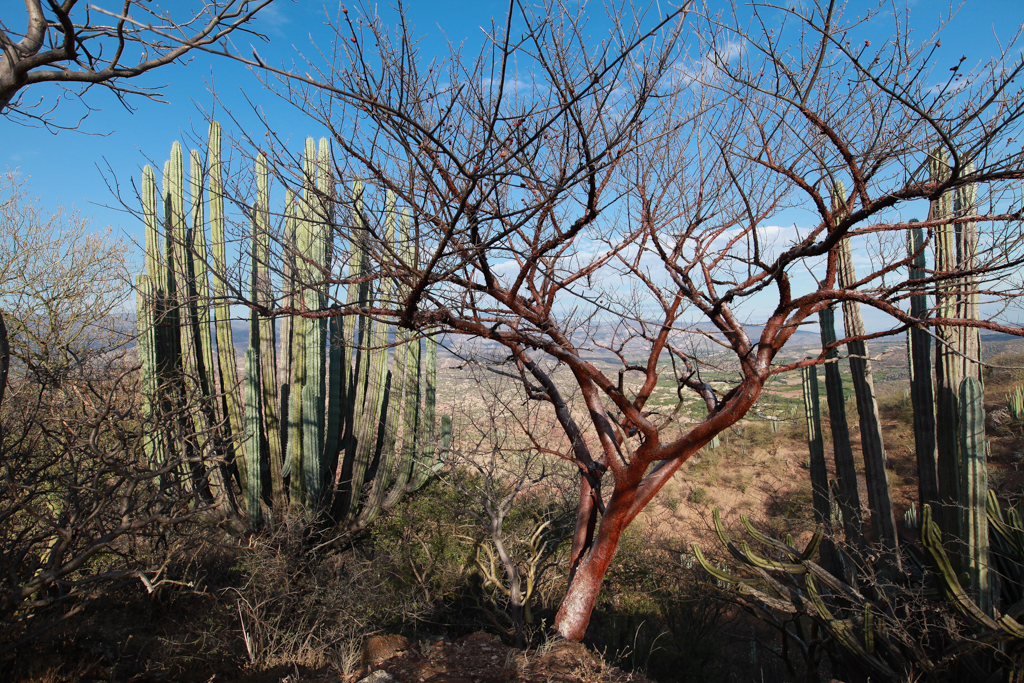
(74, 168)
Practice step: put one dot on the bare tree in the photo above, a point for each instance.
(63, 287)
(572, 196)
(79, 47)
(83, 506)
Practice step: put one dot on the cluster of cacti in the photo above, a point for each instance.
(995, 627)
(788, 581)
(911, 519)
(951, 449)
(871, 621)
(865, 616)
(323, 409)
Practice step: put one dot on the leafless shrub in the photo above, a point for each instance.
(82, 507)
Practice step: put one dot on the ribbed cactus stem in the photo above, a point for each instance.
(252, 434)
(337, 372)
(170, 319)
(921, 396)
(200, 271)
(149, 314)
(263, 296)
(387, 406)
(285, 370)
(145, 306)
(425, 463)
(875, 474)
(411, 444)
(974, 493)
(846, 470)
(226, 359)
(354, 333)
(371, 387)
(178, 240)
(149, 212)
(816, 445)
(401, 470)
(297, 443)
(312, 245)
(965, 204)
(311, 447)
(1015, 403)
(948, 366)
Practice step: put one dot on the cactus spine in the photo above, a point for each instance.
(340, 416)
(867, 407)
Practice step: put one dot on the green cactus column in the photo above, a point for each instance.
(965, 205)
(974, 493)
(253, 434)
(816, 445)
(821, 497)
(227, 364)
(948, 366)
(148, 313)
(875, 473)
(266, 333)
(425, 462)
(402, 382)
(919, 360)
(846, 469)
(145, 307)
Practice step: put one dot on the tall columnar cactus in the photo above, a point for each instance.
(846, 470)
(965, 205)
(919, 361)
(867, 407)
(318, 403)
(948, 367)
(816, 444)
(974, 493)
(253, 430)
(227, 367)
(266, 333)
(821, 493)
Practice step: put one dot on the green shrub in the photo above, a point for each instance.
(698, 495)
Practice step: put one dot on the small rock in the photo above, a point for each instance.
(378, 648)
(379, 676)
(997, 419)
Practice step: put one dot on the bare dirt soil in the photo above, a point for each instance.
(482, 658)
